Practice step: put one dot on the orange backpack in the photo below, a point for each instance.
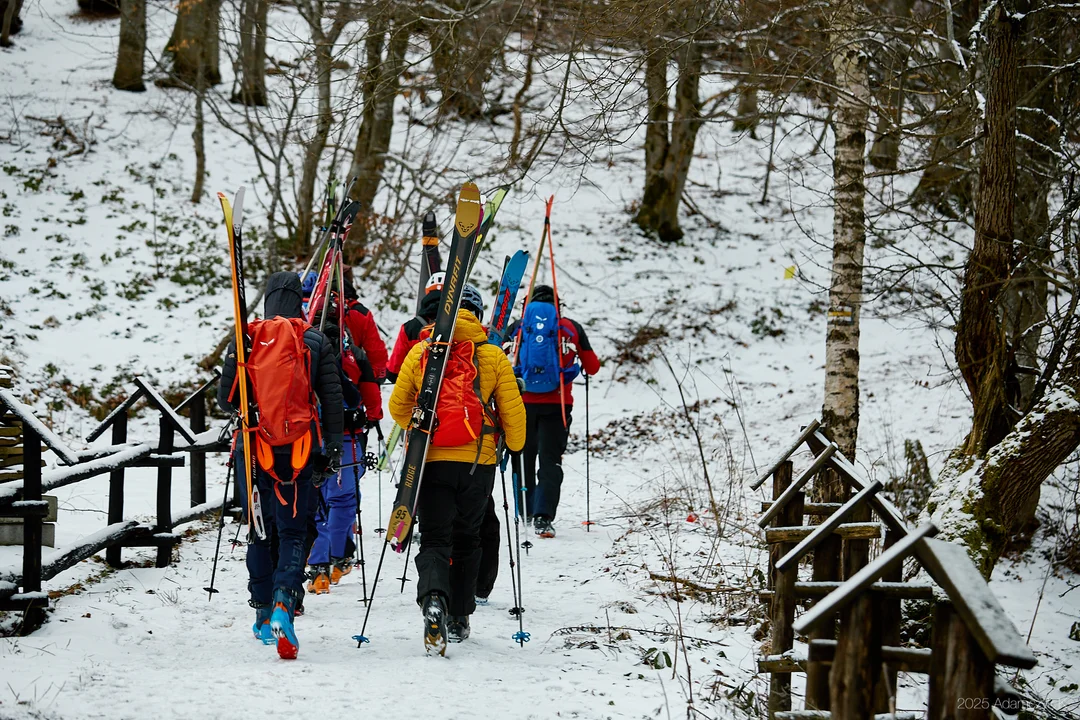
(279, 366)
(460, 410)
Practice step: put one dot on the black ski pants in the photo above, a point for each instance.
(489, 548)
(545, 438)
(450, 511)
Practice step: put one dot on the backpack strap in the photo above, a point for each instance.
(489, 412)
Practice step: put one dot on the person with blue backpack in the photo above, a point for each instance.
(552, 350)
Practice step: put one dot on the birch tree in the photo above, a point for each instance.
(840, 412)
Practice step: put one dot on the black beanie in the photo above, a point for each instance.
(543, 293)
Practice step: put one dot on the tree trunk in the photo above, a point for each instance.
(252, 53)
(462, 53)
(656, 135)
(840, 412)
(885, 151)
(981, 502)
(1037, 167)
(685, 124)
(313, 149)
(946, 182)
(373, 138)
(194, 44)
(129, 58)
(12, 23)
(981, 352)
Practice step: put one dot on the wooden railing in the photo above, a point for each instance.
(852, 627)
(21, 589)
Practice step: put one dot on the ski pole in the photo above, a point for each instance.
(221, 528)
(408, 551)
(515, 467)
(588, 506)
(359, 523)
(520, 636)
(361, 639)
(379, 468)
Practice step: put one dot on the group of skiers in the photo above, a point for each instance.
(305, 497)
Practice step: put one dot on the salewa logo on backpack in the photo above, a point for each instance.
(267, 344)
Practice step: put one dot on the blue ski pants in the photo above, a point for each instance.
(286, 521)
(336, 515)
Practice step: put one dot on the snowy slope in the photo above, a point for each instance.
(743, 341)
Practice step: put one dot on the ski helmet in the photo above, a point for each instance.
(435, 282)
(307, 283)
(472, 300)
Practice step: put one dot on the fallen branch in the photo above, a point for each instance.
(698, 587)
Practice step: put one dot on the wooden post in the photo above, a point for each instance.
(826, 569)
(857, 662)
(164, 492)
(31, 579)
(198, 459)
(782, 609)
(961, 676)
(889, 615)
(116, 490)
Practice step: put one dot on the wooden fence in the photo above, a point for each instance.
(852, 627)
(21, 589)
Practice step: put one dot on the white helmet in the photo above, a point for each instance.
(435, 282)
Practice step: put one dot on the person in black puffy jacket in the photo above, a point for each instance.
(275, 579)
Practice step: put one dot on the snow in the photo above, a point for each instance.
(144, 642)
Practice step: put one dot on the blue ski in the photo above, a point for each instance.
(507, 296)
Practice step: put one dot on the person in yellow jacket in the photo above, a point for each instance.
(458, 481)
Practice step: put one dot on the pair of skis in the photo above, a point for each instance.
(248, 412)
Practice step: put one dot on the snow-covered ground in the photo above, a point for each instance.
(106, 270)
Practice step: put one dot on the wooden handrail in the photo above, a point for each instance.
(826, 528)
(795, 487)
(806, 432)
(825, 610)
(975, 603)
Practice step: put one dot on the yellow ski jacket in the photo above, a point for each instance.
(496, 377)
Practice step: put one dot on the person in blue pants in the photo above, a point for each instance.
(335, 518)
(275, 562)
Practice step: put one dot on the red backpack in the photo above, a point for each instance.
(279, 366)
(460, 410)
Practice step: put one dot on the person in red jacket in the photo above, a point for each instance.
(546, 435)
(360, 322)
(409, 334)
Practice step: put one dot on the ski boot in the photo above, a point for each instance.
(480, 600)
(542, 527)
(339, 568)
(261, 628)
(320, 579)
(435, 624)
(281, 626)
(457, 628)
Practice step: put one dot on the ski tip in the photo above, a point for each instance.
(360, 640)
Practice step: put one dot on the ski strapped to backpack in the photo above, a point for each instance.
(509, 285)
(466, 226)
(248, 417)
(430, 260)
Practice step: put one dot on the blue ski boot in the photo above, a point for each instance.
(261, 628)
(281, 625)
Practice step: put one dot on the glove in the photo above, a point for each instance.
(354, 418)
(326, 464)
(520, 384)
(570, 373)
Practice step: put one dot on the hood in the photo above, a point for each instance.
(430, 305)
(284, 296)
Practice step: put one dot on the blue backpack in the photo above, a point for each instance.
(539, 355)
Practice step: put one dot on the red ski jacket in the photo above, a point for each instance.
(362, 329)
